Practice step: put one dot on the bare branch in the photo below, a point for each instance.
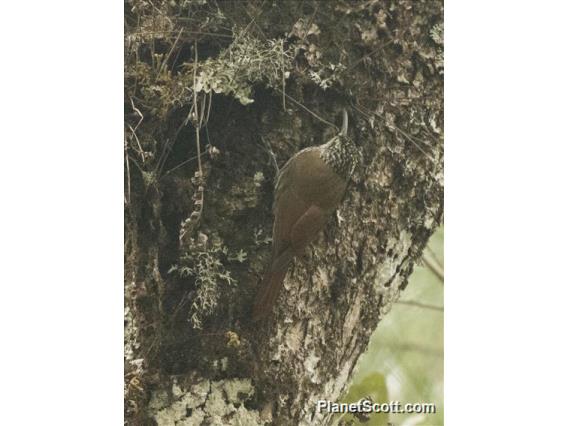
(421, 305)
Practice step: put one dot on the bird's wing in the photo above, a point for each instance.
(307, 227)
(302, 232)
(290, 172)
(288, 209)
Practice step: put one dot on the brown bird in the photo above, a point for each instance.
(309, 188)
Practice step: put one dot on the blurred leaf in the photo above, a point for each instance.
(373, 385)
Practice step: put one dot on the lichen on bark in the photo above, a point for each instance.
(383, 60)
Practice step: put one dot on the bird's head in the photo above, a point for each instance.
(341, 153)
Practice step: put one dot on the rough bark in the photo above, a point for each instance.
(192, 355)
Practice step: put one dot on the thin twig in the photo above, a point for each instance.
(417, 348)
(197, 127)
(138, 142)
(153, 54)
(195, 111)
(252, 20)
(310, 23)
(271, 155)
(139, 113)
(438, 272)
(202, 116)
(308, 110)
(165, 153)
(434, 257)
(396, 128)
(183, 163)
(255, 23)
(283, 75)
(200, 21)
(198, 122)
(185, 32)
(207, 134)
(368, 55)
(136, 163)
(412, 138)
(164, 62)
(127, 173)
(209, 107)
(421, 305)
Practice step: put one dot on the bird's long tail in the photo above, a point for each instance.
(271, 285)
(268, 293)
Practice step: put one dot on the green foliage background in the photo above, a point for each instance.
(405, 358)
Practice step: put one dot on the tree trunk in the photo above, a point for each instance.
(197, 244)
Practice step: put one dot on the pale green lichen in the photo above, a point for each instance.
(258, 179)
(437, 33)
(244, 417)
(204, 263)
(260, 237)
(213, 402)
(131, 343)
(310, 367)
(235, 389)
(245, 62)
